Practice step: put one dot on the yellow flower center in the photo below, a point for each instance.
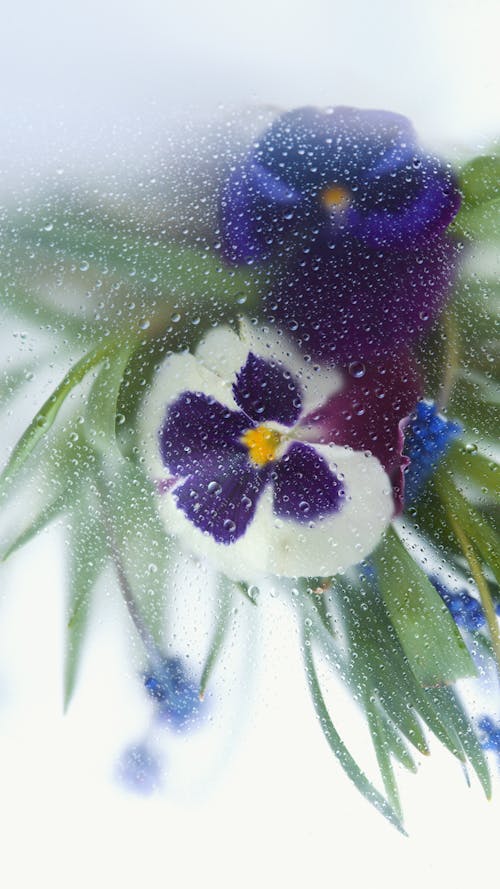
(335, 197)
(262, 444)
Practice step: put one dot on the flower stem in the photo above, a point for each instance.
(133, 609)
(452, 362)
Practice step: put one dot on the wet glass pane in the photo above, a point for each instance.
(249, 389)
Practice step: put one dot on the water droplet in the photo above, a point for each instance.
(357, 369)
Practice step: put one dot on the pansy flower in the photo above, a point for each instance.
(354, 213)
(239, 480)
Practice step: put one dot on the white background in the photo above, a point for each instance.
(274, 808)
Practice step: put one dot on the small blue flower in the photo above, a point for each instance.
(465, 609)
(175, 693)
(139, 769)
(491, 734)
(427, 439)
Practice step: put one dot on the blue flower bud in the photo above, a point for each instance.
(465, 609)
(428, 437)
(139, 769)
(490, 731)
(174, 692)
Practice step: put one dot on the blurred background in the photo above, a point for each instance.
(93, 90)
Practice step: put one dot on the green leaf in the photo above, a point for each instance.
(476, 468)
(481, 534)
(452, 711)
(336, 744)
(382, 747)
(45, 418)
(428, 634)
(87, 553)
(396, 745)
(479, 180)
(42, 519)
(379, 659)
(225, 588)
(471, 404)
(138, 543)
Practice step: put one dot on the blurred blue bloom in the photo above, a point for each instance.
(465, 609)
(174, 692)
(139, 769)
(491, 734)
(427, 439)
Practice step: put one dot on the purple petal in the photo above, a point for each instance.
(220, 499)
(434, 203)
(369, 412)
(305, 488)
(273, 202)
(348, 303)
(255, 206)
(266, 391)
(196, 428)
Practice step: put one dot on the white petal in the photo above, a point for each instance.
(224, 352)
(273, 546)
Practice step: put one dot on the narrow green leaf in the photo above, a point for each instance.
(44, 517)
(427, 632)
(87, 555)
(481, 534)
(396, 744)
(45, 418)
(225, 590)
(381, 661)
(452, 710)
(138, 542)
(374, 661)
(382, 752)
(336, 744)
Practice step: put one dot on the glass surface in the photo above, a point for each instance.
(119, 121)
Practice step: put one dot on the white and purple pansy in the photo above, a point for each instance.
(239, 481)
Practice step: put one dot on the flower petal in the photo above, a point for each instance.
(305, 488)
(267, 392)
(220, 499)
(198, 429)
(244, 234)
(224, 352)
(178, 374)
(348, 303)
(368, 413)
(275, 546)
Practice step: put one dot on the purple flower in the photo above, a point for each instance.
(249, 487)
(228, 457)
(354, 212)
